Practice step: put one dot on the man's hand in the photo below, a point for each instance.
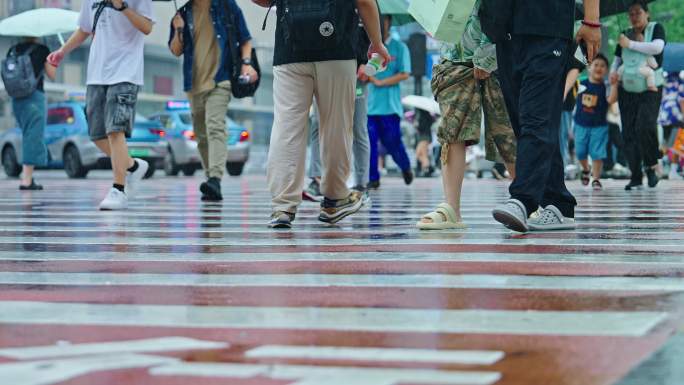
(361, 74)
(381, 50)
(624, 41)
(480, 74)
(55, 58)
(178, 22)
(591, 37)
(249, 70)
(117, 3)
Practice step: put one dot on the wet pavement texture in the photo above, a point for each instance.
(177, 291)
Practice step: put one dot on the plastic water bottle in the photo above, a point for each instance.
(374, 65)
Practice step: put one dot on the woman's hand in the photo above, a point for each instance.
(624, 41)
(480, 74)
(249, 70)
(178, 22)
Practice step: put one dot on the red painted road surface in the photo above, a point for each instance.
(176, 291)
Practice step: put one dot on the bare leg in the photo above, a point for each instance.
(452, 178)
(103, 145)
(585, 165)
(422, 154)
(26, 175)
(597, 169)
(121, 161)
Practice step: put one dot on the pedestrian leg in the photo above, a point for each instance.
(293, 87)
(217, 136)
(374, 123)
(199, 126)
(361, 144)
(390, 136)
(335, 89)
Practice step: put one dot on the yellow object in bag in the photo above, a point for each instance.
(443, 19)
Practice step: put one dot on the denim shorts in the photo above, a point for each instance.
(591, 141)
(110, 109)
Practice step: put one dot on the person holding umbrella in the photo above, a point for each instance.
(30, 110)
(115, 74)
(639, 105)
(200, 33)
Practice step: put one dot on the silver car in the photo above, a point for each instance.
(183, 155)
(70, 147)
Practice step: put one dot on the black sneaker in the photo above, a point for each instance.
(596, 185)
(408, 177)
(633, 186)
(32, 187)
(652, 178)
(374, 185)
(333, 211)
(211, 190)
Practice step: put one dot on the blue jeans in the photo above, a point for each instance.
(386, 129)
(31, 114)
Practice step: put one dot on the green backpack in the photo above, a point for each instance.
(632, 80)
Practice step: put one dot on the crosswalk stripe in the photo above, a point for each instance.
(317, 375)
(468, 281)
(462, 357)
(626, 324)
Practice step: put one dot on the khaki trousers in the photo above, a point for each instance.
(209, 110)
(294, 86)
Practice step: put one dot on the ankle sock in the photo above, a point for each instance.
(134, 167)
(119, 187)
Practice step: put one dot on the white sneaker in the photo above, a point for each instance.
(513, 215)
(115, 200)
(549, 219)
(133, 178)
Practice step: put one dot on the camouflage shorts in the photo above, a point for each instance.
(463, 100)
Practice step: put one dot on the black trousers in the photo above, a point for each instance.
(532, 74)
(639, 113)
(615, 143)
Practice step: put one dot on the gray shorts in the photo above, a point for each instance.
(110, 109)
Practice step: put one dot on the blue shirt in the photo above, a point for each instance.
(592, 105)
(219, 17)
(387, 100)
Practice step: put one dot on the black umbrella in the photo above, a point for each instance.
(608, 7)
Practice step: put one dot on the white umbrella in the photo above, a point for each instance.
(40, 22)
(422, 103)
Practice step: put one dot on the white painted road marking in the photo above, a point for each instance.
(166, 344)
(462, 357)
(565, 323)
(329, 375)
(438, 281)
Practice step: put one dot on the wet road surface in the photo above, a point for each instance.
(176, 291)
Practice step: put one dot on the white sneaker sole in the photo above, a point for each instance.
(568, 225)
(510, 220)
(323, 217)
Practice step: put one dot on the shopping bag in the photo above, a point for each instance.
(443, 19)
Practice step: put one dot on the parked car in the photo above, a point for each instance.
(182, 154)
(70, 148)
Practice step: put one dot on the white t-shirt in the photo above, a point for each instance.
(117, 50)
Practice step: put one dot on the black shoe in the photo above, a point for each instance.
(408, 177)
(499, 171)
(211, 190)
(32, 187)
(374, 185)
(633, 186)
(652, 178)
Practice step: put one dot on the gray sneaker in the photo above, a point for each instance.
(513, 215)
(333, 211)
(550, 219)
(281, 220)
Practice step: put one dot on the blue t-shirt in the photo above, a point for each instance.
(387, 100)
(592, 105)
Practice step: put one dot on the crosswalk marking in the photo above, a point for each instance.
(465, 281)
(566, 323)
(462, 357)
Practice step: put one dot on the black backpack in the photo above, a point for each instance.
(18, 75)
(317, 25)
(496, 19)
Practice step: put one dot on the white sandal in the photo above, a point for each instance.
(438, 216)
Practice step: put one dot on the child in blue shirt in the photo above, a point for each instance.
(591, 121)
